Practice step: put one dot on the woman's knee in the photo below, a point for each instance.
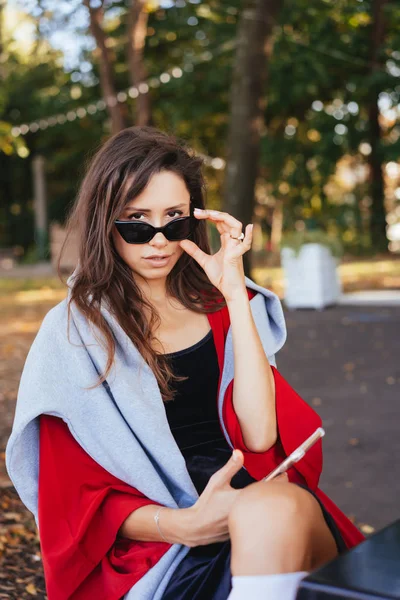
(276, 505)
(270, 526)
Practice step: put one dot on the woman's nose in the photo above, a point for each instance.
(159, 240)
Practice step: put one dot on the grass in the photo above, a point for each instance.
(13, 285)
(28, 299)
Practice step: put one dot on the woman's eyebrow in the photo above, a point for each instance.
(146, 210)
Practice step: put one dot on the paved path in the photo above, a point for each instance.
(371, 298)
(345, 362)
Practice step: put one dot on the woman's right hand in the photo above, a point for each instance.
(209, 515)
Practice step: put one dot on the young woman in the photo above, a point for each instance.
(138, 387)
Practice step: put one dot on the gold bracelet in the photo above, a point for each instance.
(156, 518)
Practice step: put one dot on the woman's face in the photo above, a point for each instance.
(164, 199)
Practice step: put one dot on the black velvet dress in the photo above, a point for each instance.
(204, 573)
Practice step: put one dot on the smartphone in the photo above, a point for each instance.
(296, 455)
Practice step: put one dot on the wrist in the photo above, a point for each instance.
(238, 296)
(178, 525)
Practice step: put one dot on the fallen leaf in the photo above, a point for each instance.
(352, 518)
(350, 366)
(316, 401)
(31, 589)
(354, 441)
(367, 529)
(390, 380)
(36, 557)
(12, 516)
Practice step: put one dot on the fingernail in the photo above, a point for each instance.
(235, 456)
(200, 210)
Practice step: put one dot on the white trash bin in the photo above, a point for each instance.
(311, 278)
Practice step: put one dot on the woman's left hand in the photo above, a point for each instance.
(225, 268)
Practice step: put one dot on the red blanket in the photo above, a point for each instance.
(82, 506)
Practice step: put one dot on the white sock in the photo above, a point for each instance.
(282, 586)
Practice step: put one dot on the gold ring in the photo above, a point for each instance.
(241, 237)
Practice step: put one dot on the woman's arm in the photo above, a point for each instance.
(254, 394)
(174, 523)
(254, 386)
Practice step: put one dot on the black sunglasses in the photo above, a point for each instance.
(134, 232)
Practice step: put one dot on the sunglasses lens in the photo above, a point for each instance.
(141, 233)
(135, 233)
(179, 229)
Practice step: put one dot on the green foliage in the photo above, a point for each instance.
(322, 52)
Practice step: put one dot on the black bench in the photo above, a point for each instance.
(371, 571)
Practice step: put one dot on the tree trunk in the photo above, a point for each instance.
(137, 31)
(40, 206)
(2, 61)
(107, 82)
(277, 226)
(375, 159)
(248, 103)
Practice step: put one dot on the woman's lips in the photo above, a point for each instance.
(158, 262)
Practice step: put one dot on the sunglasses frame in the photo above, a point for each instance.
(154, 230)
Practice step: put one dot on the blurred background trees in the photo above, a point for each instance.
(298, 116)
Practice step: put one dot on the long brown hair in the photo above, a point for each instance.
(118, 173)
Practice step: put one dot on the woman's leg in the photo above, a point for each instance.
(278, 527)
